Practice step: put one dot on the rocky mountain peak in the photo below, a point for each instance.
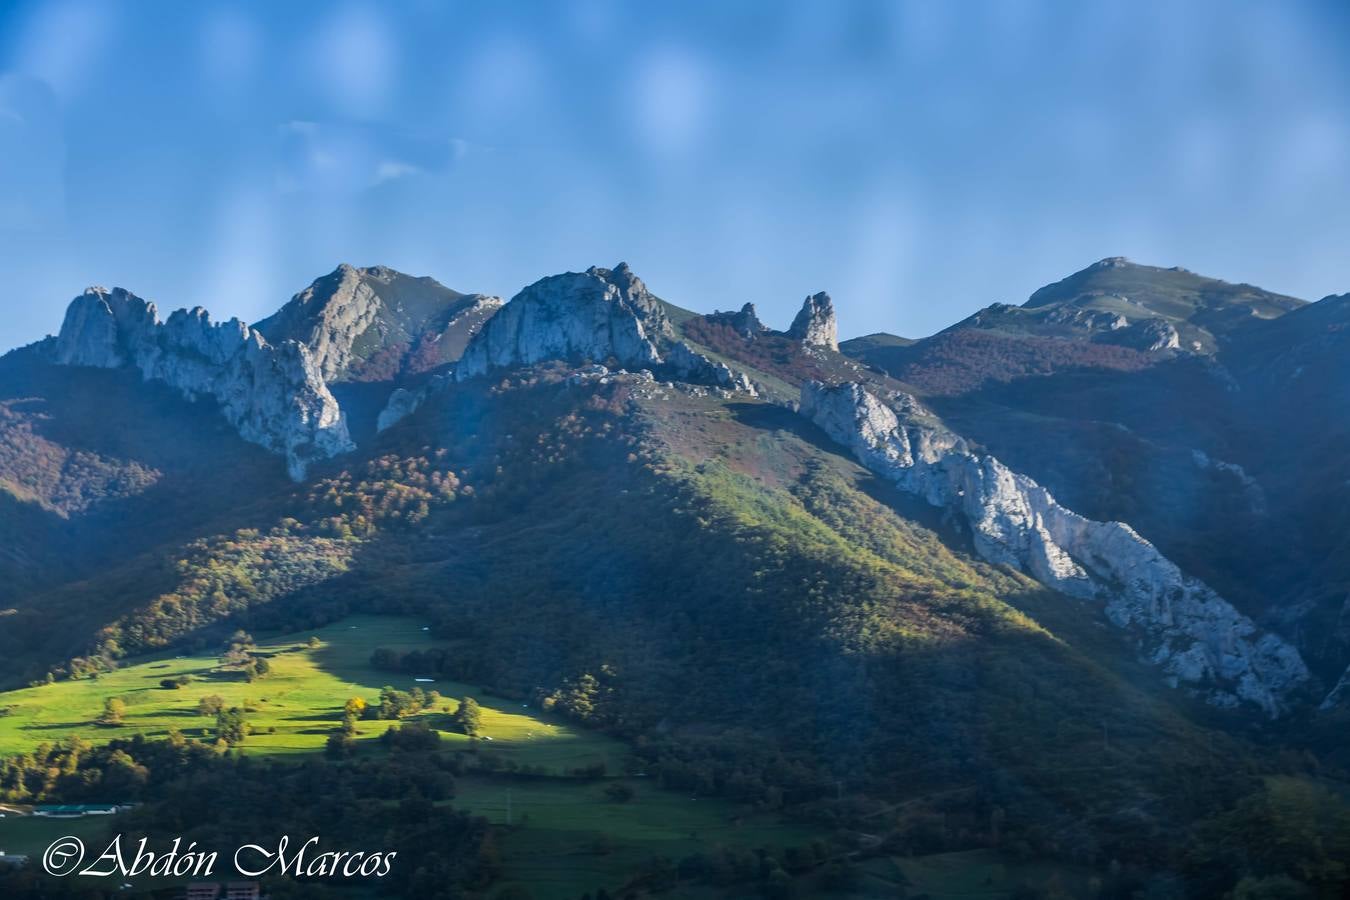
(377, 324)
(104, 328)
(633, 291)
(815, 325)
(598, 314)
(273, 394)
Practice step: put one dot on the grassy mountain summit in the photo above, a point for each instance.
(1174, 292)
(1115, 292)
(1113, 316)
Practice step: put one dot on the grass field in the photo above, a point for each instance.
(565, 836)
(30, 835)
(561, 836)
(295, 708)
(568, 838)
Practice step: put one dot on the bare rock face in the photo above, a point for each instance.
(401, 404)
(815, 326)
(745, 321)
(328, 317)
(377, 324)
(1150, 335)
(273, 394)
(1195, 636)
(104, 328)
(596, 315)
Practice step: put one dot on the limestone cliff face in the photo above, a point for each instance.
(327, 317)
(273, 394)
(815, 325)
(1196, 637)
(597, 314)
(377, 324)
(105, 329)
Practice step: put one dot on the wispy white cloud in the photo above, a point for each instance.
(391, 169)
(346, 158)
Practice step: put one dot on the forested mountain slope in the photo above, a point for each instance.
(639, 516)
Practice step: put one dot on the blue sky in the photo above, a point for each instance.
(917, 160)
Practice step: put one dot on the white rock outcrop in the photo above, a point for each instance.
(815, 325)
(273, 394)
(595, 315)
(401, 404)
(1150, 335)
(1195, 636)
(105, 329)
(690, 365)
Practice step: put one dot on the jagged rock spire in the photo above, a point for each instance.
(815, 325)
(747, 321)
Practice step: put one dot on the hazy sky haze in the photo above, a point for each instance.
(917, 160)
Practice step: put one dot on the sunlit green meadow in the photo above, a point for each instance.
(296, 707)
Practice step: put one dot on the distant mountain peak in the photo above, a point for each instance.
(1150, 308)
(378, 324)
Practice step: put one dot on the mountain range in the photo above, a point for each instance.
(1121, 506)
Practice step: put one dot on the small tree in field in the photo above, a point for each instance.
(355, 708)
(256, 667)
(210, 705)
(231, 726)
(469, 717)
(113, 710)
